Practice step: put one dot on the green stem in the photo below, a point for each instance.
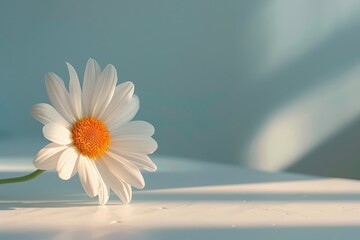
(23, 178)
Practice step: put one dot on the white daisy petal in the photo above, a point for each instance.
(133, 144)
(120, 188)
(67, 163)
(128, 192)
(140, 160)
(75, 169)
(122, 96)
(59, 96)
(74, 91)
(124, 170)
(88, 175)
(105, 87)
(47, 158)
(126, 114)
(104, 193)
(46, 113)
(57, 133)
(92, 73)
(135, 128)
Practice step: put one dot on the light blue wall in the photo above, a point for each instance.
(181, 55)
(209, 73)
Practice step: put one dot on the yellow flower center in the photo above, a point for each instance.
(91, 137)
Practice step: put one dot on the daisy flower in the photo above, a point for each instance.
(92, 134)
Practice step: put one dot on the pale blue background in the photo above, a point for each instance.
(208, 73)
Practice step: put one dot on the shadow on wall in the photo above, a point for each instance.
(290, 137)
(338, 156)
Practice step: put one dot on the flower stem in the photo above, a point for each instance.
(23, 178)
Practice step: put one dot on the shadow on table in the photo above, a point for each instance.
(12, 205)
(254, 233)
(247, 197)
(46, 234)
(47, 191)
(216, 175)
(231, 232)
(191, 197)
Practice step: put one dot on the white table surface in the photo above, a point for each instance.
(183, 200)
